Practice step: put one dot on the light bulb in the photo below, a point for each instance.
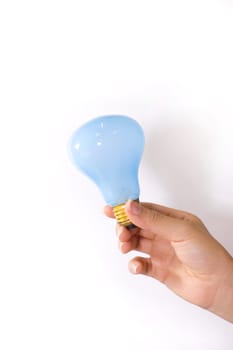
(108, 149)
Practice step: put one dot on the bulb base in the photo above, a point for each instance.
(121, 216)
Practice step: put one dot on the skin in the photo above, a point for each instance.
(182, 254)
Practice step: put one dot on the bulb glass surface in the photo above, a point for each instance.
(108, 149)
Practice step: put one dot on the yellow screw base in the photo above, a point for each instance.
(121, 216)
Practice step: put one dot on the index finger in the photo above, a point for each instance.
(108, 211)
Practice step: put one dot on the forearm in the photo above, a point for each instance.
(223, 302)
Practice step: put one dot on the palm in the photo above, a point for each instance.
(166, 266)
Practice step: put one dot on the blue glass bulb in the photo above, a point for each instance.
(108, 149)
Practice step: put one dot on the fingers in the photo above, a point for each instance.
(140, 244)
(124, 234)
(108, 211)
(140, 265)
(129, 240)
(148, 267)
(174, 225)
(149, 218)
(179, 214)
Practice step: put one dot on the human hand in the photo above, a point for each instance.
(181, 254)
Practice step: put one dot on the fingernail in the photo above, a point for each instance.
(135, 268)
(135, 208)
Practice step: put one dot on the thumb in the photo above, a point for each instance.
(167, 227)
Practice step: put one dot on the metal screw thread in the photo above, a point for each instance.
(121, 216)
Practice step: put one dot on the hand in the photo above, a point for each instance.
(181, 254)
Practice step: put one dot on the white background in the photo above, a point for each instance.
(168, 64)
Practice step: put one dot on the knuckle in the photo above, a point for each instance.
(187, 226)
(193, 218)
(154, 215)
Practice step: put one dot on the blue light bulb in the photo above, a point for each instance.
(108, 149)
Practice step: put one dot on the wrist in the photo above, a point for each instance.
(222, 304)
